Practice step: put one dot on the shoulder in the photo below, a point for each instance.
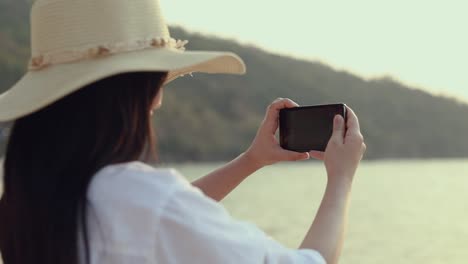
(125, 201)
(134, 185)
(135, 176)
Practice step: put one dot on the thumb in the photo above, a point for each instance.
(338, 129)
(293, 155)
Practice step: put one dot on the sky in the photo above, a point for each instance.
(420, 43)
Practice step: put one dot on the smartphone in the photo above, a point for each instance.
(307, 128)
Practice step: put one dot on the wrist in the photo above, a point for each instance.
(250, 161)
(340, 181)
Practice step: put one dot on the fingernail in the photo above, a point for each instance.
(338, 121)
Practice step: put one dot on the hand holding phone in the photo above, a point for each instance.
(265, 149)
(307, 128)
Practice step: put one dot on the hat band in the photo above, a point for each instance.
(41, 61)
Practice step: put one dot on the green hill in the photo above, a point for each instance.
(214, 117)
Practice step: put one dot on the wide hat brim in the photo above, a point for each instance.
(37, 89)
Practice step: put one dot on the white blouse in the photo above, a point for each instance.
(139, 214)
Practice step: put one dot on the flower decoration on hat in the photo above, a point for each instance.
(41, 61)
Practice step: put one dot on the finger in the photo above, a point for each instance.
(280, 103)
(338, 129)
(352, 125)
(278, 99)
(270, 123)
(317, 155)
(293, 155)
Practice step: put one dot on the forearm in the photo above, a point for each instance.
(219, 183)
(326, 234)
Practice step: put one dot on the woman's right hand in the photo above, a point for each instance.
(342, 156)
(345, 148)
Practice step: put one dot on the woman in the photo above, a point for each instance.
(76, 185)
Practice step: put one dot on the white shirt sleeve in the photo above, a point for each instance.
(193, 228)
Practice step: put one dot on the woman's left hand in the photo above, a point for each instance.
(265, 148)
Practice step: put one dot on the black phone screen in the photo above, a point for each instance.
(308, 128)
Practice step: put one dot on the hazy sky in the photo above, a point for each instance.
(422, 43)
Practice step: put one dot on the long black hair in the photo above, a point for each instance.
(52, 155)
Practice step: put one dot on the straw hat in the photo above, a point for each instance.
(74, 43)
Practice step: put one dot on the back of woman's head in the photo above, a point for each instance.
(52, 155)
